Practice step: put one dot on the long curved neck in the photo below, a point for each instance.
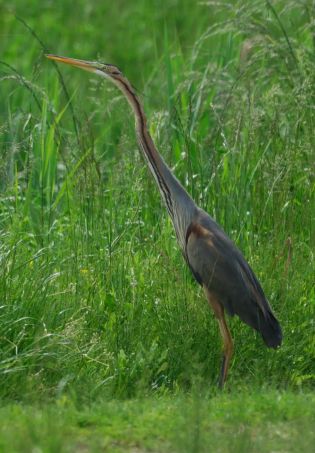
(179, 204)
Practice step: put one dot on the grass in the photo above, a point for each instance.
(98, 310)
(261, 421)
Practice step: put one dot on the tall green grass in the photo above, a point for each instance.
(95, 296)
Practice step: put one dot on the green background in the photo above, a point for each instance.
(97, 304)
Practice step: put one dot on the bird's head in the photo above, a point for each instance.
(111, 72)
(107, 70)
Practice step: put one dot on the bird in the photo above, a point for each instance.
(229, 284)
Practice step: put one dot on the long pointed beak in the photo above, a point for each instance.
(87, 65)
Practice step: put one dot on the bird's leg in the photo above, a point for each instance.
(228, 349)
(225, 333)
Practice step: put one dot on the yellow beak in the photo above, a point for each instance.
(87, 65)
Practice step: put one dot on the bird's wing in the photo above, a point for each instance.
(217, 264)
(213, 263)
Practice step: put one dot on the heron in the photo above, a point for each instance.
(228, 282)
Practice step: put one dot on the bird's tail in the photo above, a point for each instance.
(270, 330)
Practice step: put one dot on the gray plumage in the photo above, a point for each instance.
(217, 263)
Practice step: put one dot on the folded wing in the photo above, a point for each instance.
(217, 264)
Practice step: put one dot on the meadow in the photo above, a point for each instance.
(106, 341)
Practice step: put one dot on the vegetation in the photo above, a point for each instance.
(261, 421)
(97, 306)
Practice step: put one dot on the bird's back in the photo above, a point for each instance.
(218, 264)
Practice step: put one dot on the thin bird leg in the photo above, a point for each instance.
(225, 333)
(228, 349)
